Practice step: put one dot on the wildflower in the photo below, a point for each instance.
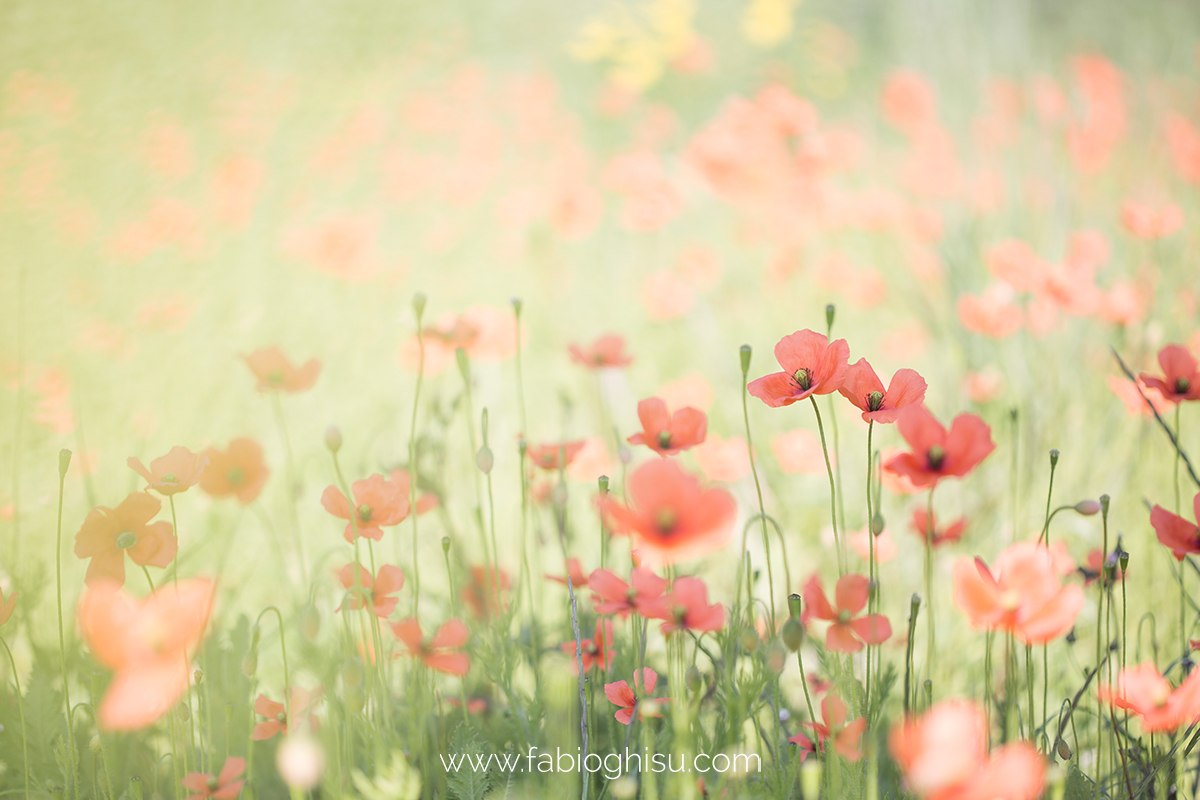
(579, 578)
(862, 387)
(846, 634)
(108, 534)
(1023, 593)
(799, 452)
(606, 351)
(885, 545)
(686, 608)
(483, 593)
(283, 719)
(725, 460)
(554, 456)
(375, 591)
(937, 453)
(811, 365)
(1146, 693)
(1147, 222)
(1181, 377)
(597, 650)
(927, 529)
(377, 503)
(439, 653)
(613, 596)
(426, 501)
(1100, 568)
(147, 643)
(225, 786)
(619, 694)
(672, 516)
(666, 433)
(239, 470)
(994, 313)
(847, 736)
(943, 755)
(276, 374)
(1134, 401)
(7, 606)
(1175, 532)
(177, 471)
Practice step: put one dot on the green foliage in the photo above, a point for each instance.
(467, 783)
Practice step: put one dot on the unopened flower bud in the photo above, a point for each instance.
(418, 304)
(1087, 508)
(135, 787)
(744, 354)
(603, 483)
(750, 640)
(333, 438)
(830, 313)
(776, 657)
(183, 711)
(485, 460)
(795, 602)
(1124, 559)
(64, 462)
(517, 305)
(793, 634)
(1104, 504)
(1053, 459)
(693, 678)
(198, 676)
(877, 524)
(1063, 750)
(445, 544)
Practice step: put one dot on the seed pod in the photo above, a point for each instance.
(794, 604)
(744, 353)
(793, 634)
(1063, 750)
(333, 438)
(64, 461)
(776, 657)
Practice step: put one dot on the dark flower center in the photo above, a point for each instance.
(664, 439)
(803, 378)
(275, 377)
(875, 401)
(212, 784)
(1182, 385)
(937, 456)
(364, 512)
(666, 519)
(843, 617)
(236, 476)
(126, 540)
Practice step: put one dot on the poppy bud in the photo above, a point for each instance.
(517, 305)
(830, 313)
(1053, 459)
(877, 525)
(810, 777)
(1104, 504)
(484, 459)
(1124, 559)
(64, 461)
(333, 438)
(310, 622)
(1087, 508)
(603, 482)
(744, 354)
(418, 304)
(94, 745)
(1063, 750)
(183, 711)
(750, 640)
(198, 676)
(794, 603)
(776, 657)
(692, 678)
(445, 544)
(793, 634)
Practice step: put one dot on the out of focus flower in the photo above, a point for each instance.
(441, 652)
(613, 596)
(849, 632)
(177, 471)
(1147, 222)
(937, 453)
(799, 452)
(606, 351)
(275, 373)
(993, 314)
(885, 545)
(619, 694)
(846, 736)
(686, 607)
(579, 578)
(378, 503)
(300, 761)
(1022, 593)
(1175, 532)
(484, 594)
(374, 590)
(1134, 402)
(284, 719)
(1181, 376)
(1146, 693)
(554, 456)
(666, 295)
(927, 529)
(908, 101)
(669, 433)
(426, 501)
(109, 534)
(725, 460)
(691, 390)
(811, 365)
(596, 651)
(862, 387)
(239, 470)
(224, 786)
(7, 606)
(1101, 568)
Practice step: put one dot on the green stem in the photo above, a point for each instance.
(871, 566)
(287, 684)
(837, 542)
(62, 642)
(758, 490)
(929, 626)
(21, 711)
(412, 466)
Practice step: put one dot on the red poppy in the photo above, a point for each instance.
(1023, 593)
(597, 650)
(666, 433)
(440, 652)
(109, 534)
(862, 387)
(378, 502)
(579, 578)
(672, 516)
(554, 456)
(847, 634)
(686, 607)
(238, 470)
(1098, 568)
(275, 373)
(1181, 377)
(1146, 693)
(937, 453)
(847, 736)
(928, 531)
(811, 365)
(606, 351)
(375, 591)
(281, 718)
(224, 786)
(1175, 532)
(177, 471)
(619, 694)
(614, 596)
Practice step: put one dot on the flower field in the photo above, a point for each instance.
(651, 399)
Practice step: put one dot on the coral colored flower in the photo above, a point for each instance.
(935, 452)
(927, 530)
(579, 578)
(108, 534)
(724, 460)
(943, 755)
(283, 719)
(7, 606)
(811, 365)
(554, 456)
(672, 516)
(597, 650)
(862, 387)
(276, 374)
(1134, 402)
(377, 503)
(1175, 532)
(669, 433)
(690, 390)
(439, 653)
(1146, 693)
(375, 591)
(239, 470)
(619, 694)
(1105, 570)
(426, 501)
(613, 596)
(1022, 593)
(1146, 222)
(994, 313)
(147, 643)
(606, 351)
(799, 453)
(885, 545)
(847, 634)
(1181, 376)
(177, 471)
(224, 786)
(847, 736)
(686, 607)
(484, 595)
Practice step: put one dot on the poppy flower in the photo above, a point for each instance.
(554, 456)
(862, 387)
(439, 653)
(276, 374)
(846, 634)
(597, 650)
(811, 365)
(1181, 377)
(1175, 532)
(935, 452)
(1133, 399)
(579, 578)
(672, 516)
(928, 531)
(1023, 593)
(1105, 570)
(725, 460)
(375, 590)
(799, 453)
(619, 694)
(426, 501)
(1144, 692)
(1147, 222)
(613, 596)
(485, 594)
(109, 534)
(847, 736)
(147, 643)
(885, 545)
(943, 755)
(669, 433)
(239, 470)
(606, 351)
(7, 606)
(281, 718)
(177, 471)
(377, 503)
(224, 786)
(686, 607)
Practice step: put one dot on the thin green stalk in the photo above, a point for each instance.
(871, 566)
(64, 461)
(1101, 635)
(745, 356)
(929, 626)
(21, 711)
(837, 542)
(287, 683)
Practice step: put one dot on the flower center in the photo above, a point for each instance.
(875, 401)
(236, 476)
(126, 540)
(664, 439)
(666, 519)
(275, 377)
(170, 478)
(1161, 695)
(364, 512)
(1010, 601)
(803, 378)
(936, 456)
(281, 716)
(843, 617)
(1182, 385)
(212, 784)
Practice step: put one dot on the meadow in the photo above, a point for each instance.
(652, 399)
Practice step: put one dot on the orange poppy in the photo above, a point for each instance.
(224, 786)
(669, 433)
(606, 351)
(1175, 532)
(277, 714)
(439, 653)
(482, 595)
(811, 365)
(275, 373)
(239, 470)
(375, 590)
(862, 387)
(614, 596)
(147, 643)
(554, 456)
(1146, 693)
(377, 503)
(595, 651)
(426, 501)
(108, 534)
(619, 694)
(1147, 222)
(1181, 375)
(927, 529)
(177, 471)
(686, 607)
(935, 452)
(848, 633)
(847, 736)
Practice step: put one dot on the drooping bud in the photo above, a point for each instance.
(1087, 508)
(333, 438)
(877, 524)
(794, 603)
(485, 460)
(1063, 750)
(793, 634)
(64, 461)
(744, 353)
